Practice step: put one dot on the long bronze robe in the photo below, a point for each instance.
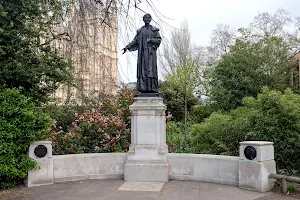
(146, 41)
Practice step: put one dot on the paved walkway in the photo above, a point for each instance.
(108, 190)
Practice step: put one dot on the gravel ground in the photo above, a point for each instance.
(14, 194)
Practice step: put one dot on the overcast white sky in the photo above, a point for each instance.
(202, 17)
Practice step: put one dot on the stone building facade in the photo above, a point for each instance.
(91, 43)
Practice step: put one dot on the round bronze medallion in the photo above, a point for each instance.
(40, 151)
(250, 152)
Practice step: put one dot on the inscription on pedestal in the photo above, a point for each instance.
(146, 132)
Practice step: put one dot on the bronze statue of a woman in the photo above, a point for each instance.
(146, 41)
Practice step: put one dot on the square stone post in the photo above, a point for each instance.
(147, 157)
(255, 165)
(41, 151)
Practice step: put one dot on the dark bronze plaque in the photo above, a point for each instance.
(250, 152)
(40, 151)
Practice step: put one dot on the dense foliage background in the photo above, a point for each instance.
(30, 70)
(248, 67)
(272, 116)
(21, 123)
(28, 62)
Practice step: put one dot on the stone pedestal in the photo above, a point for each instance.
(147, 157)
(41, 151)
(255, 165)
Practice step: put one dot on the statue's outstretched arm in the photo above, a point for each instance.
(132, 46)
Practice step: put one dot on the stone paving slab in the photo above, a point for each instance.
(108, 190)
(142, 186)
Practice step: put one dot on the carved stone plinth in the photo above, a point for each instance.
(147, 159)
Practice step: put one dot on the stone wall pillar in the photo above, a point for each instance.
(147, 157)
(41, 151)
(255, 165)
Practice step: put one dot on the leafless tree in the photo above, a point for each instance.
(178, 51)
(88, 33)
(280, 25)
(270, 25)
(222, 37)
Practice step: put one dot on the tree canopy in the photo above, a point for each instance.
(28, 62)
(248, 67)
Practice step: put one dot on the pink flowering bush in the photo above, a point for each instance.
(92, 132)
(103, 127)
(119, 104)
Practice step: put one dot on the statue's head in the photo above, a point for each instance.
(147, 18)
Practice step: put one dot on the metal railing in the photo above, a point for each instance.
(284, 178)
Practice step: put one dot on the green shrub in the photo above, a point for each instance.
(63, 115)
(292, 187)
(174, 135)
(174, 100)
(219, 134)
(273, 116)
(175, 138)
(20, 125)
(199, 113)
(294, 172)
